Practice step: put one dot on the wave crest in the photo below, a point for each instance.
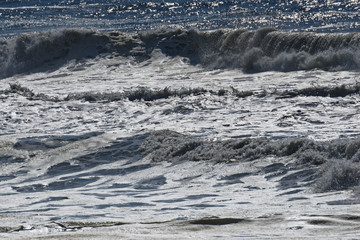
(46, 50)
(262, 50)
(271, 50)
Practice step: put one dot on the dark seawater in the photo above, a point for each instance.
(223, 119)
(132, 16)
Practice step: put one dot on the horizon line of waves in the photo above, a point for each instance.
(265, 49)
(148, 94)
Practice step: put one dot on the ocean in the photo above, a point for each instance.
(179, 119)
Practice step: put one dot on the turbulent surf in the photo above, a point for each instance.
(179, 119)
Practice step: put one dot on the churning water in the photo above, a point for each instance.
(179, 119)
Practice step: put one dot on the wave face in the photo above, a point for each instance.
(45, 50)
(253, 51)
(268, 50)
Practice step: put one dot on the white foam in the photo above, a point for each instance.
(207, 116)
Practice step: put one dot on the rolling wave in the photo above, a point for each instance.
(339, 159)
(148, 94)
(324, 165)
(252, 51)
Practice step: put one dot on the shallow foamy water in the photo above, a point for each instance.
(143, 142)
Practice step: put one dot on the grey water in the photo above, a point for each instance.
(203, 114)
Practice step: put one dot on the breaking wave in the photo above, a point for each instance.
(167, 145)
(262, 50)
(298, 162)
(148, 94)
(338, 159)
